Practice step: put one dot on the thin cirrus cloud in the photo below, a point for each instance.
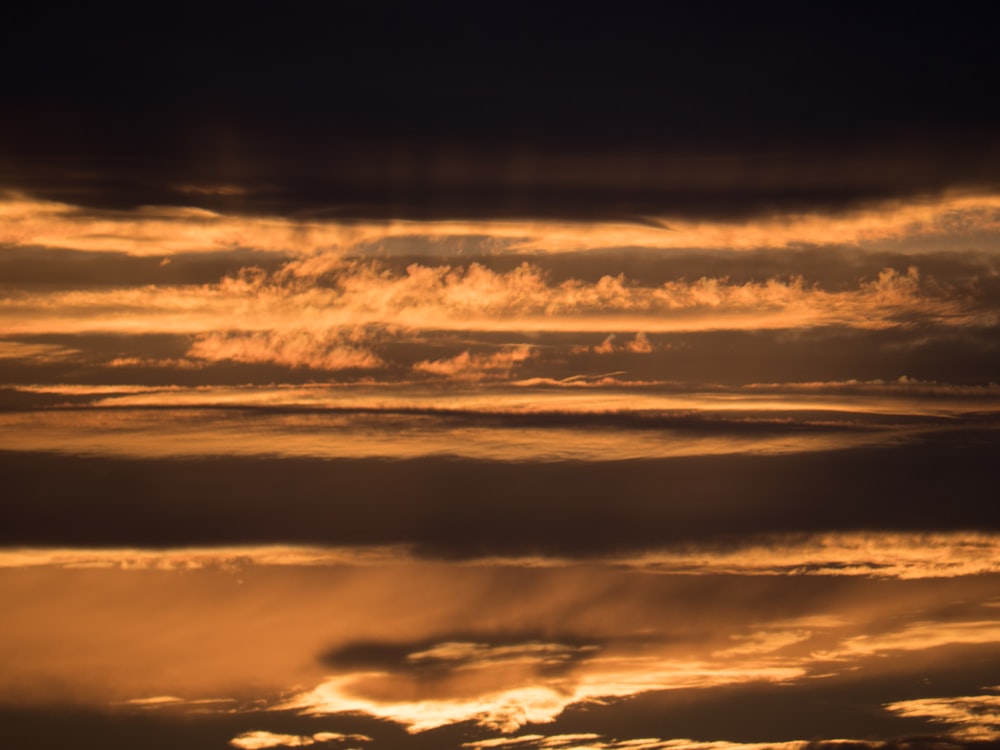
(556, 422)
(866, 555)
(166, 230)
(591, 741)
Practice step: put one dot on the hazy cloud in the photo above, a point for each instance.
(35, 352)
(327, 350)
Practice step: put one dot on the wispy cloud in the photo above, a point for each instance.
(598, 742)
(867, 555)
(36, 352)
(328, 350)
(973, 717)
(165, 230)
(258, 740)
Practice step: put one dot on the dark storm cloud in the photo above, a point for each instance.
(390, 112)
(126, 729)
(458, 507)
(37, 729)
(841, 706)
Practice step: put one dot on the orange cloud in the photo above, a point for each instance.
(639, 345)
(260, 740)
(163, 230)
(466, 366)
(869, 555)
(539, 701)
(153, 433)
(326, 350)
(598, 742)
(364, 294)
(975, 717)
(252, 625)
(36, 352)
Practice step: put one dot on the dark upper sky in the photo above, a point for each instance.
(371, 110)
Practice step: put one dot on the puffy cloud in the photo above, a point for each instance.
(466, 366)
(524, 299)
(639, 345)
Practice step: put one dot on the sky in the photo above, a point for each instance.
(525, 378)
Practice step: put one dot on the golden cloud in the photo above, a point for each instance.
(163, 230)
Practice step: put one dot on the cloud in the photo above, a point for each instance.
(323, 350)
(217, 558)
(536, 701)
(975, 718)
(589, 741)
(159, 230)
(867, 555)
(212, 189)
(455, 298)
(258, 740)
(41, 353)
(430, 643)
(173, 363)
(918, 636)
(466, 366)
(276, 424)
(639, 345)
(874, 555)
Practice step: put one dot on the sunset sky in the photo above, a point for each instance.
(533, 380)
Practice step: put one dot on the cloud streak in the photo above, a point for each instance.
(975, 717)
(477, 298)
(899, 556)
(162, 230)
